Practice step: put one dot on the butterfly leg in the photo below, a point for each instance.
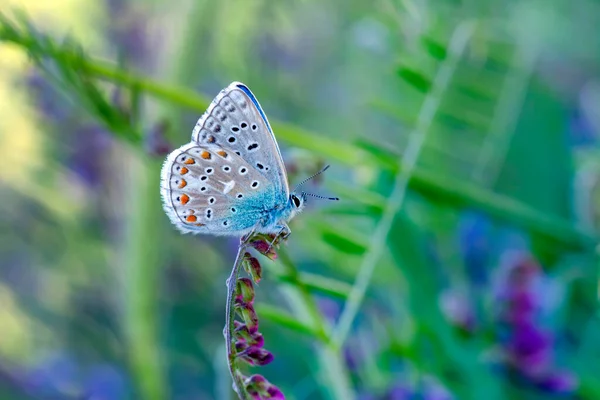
(245, 238)
(284, 232)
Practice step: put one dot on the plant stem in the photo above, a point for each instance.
(332, 371)
(238, 385)
(142, 250)
(407, 164)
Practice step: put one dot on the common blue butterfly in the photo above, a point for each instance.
(230, 179)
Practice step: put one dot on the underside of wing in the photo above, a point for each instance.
(203, 188)
(235, 120)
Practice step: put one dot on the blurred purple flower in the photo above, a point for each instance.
(458, 309)
(87, 143)
(473, 233)
(88, 152)
(55, 376)
(427, 388)
(527, 348)
(128, 32)
(61, 376)
(399, 392)
(46, 97)
(105, 382)
(155, 141)
(581, 132)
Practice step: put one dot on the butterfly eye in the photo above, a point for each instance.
(296, 201)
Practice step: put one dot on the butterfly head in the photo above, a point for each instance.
(297, 202)
(297, 198)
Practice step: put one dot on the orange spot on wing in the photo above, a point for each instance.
(182, 184)
(191, 218)
(189, 161)
(184, 171)
(184, 199)
(222, 153)
(205, 154)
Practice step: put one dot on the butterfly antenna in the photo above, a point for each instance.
(321, 197)
(311, 177)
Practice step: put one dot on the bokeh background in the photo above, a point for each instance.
(463, 139)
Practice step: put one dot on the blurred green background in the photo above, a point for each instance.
(460, 263)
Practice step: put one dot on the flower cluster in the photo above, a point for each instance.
(528, 349)
(247, 341)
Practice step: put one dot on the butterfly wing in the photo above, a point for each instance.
(235, 120)
(205, 187)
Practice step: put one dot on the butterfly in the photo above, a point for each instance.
(230, 179)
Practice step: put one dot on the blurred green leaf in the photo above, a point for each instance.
(278, 316)
(416, 79)
(318, 284)
(343, 243)
(434, 48)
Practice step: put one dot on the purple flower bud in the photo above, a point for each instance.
(244, 291)
(254, 393)
(254, 355)
(264, 246)
(243, 335)
(241, 332)
(257, 381)
(275, 393)
(257, 340)
(252, 267)
(249, 316)
(259, 388)
(240, 346)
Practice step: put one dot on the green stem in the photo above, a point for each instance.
(332, 371)
(506, 115)
(238, 385)
(377, 244)
(319, 324)
(143, 262)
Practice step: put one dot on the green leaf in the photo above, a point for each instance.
(280, 317)
(434, 48)
(318, 283)
(343, 243)
(416, 79)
